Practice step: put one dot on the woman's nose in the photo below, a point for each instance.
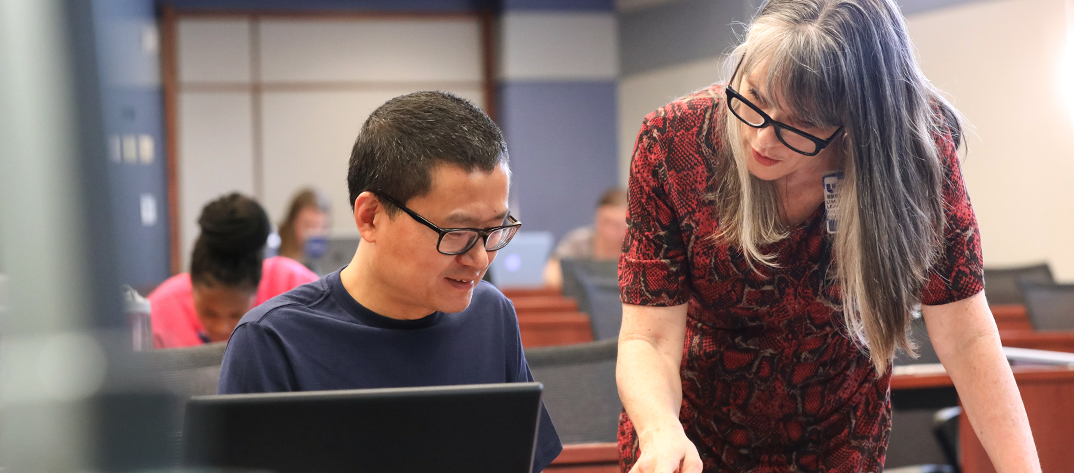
(766, 137)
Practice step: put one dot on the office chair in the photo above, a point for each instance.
(1001, 284)
(572, 268)
(1050, 306)
(920, 336)
(945, 428)
(600, 299)
(911, 449)
(184, 372)
(579, 389)
(188, 371)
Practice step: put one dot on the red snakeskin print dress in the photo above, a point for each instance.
(770, 382)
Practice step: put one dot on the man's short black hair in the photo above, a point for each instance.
(403, 140)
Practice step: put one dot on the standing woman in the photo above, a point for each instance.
(759, 326)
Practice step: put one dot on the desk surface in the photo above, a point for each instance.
(1048, 393)
(929, 377)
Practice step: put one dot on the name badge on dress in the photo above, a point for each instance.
(831, 194)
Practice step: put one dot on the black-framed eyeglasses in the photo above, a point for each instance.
(793, 138)
(456, 241)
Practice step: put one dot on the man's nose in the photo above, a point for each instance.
(476, 256)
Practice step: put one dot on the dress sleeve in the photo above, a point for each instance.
(652, 266)
(958, 272)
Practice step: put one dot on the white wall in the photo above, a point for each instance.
(640, 94)
(269, 106)
(1000, 64)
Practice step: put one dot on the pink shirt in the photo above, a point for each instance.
(176, 324)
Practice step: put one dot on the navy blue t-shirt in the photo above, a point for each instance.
(317, 337)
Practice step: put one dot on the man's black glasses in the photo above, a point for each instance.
(795, 139)
(456, 241)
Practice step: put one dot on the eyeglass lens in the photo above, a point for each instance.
(792, 139)
(461, 241)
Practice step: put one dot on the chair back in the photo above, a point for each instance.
(919, 334)
(579, 389)
(945, 428)
(1050, 306)
(1001, 284)
(572, 268)
(188, 371)
(183, 372)
(600, 299)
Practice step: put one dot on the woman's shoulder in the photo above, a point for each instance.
(284, 265)
(689, 109)
(175, 286)
(684, 135)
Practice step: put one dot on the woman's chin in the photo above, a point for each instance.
(764, 173)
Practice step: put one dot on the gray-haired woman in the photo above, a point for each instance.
(783, 229)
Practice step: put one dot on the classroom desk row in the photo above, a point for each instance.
(546, 318)
(1048, 394)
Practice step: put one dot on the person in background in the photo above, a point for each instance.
(602, 241)
(784, 227)
(228, 275)
(307, 217)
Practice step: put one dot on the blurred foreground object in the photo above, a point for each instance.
(72, 399)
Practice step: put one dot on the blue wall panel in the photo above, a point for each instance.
(679, 32)
(336, 5)
(132, 103)
(560, 5)
(397, 5)
(562, 140)
(143, 251)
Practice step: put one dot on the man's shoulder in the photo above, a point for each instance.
(304, 300)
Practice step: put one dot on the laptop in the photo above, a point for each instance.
(573, 269)
(337, 253)
(521, 262)
(472, 428)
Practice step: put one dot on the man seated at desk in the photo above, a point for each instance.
(428, 183)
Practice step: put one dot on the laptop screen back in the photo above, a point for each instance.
(521, 262)
(473, 428)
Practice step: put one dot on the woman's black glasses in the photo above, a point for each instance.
(456, 241)
(795, 139)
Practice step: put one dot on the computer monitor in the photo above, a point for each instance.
(338, 252)
(472, 428)
(573, 268)
(521, 263)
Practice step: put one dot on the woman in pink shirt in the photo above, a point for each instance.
(228, 275)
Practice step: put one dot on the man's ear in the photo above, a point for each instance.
(366, 210)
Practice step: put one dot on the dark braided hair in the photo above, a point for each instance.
(231, 246)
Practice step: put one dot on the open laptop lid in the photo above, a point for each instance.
(472, 428)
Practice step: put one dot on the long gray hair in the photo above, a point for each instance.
(850, 63)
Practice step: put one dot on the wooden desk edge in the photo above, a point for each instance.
(588, 453)
(1021, 374)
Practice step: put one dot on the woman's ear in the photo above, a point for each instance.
(366, 208)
